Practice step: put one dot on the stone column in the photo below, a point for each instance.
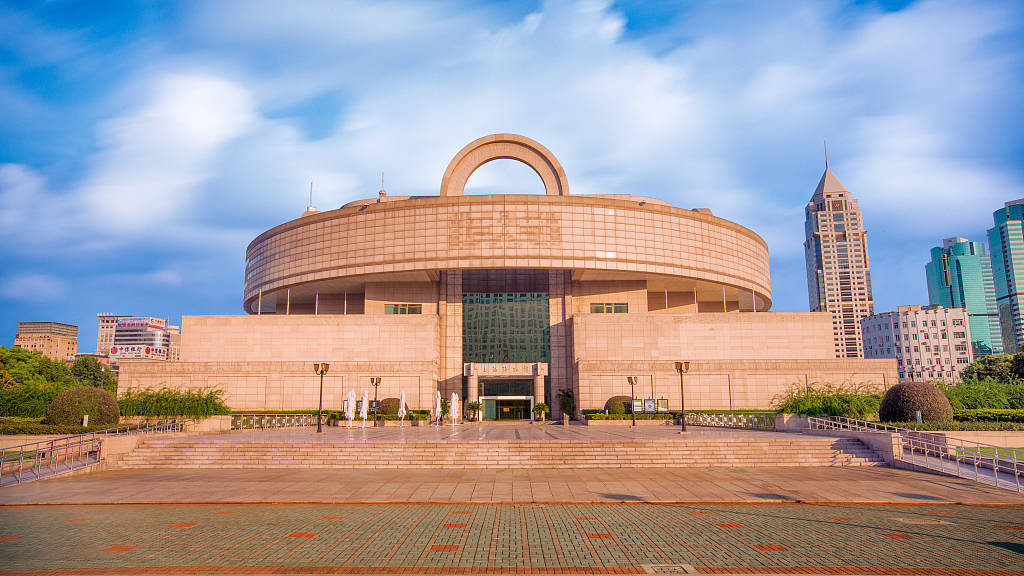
(559, 300)
(473, 382)
(538, 388)
(450, 319)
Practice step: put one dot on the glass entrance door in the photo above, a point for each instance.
(507, 407)
(513, 409)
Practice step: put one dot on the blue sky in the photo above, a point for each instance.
(143, 146)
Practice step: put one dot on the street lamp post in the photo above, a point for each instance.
(632, 397)
(375, 382)
(682, 368)
(321, 369)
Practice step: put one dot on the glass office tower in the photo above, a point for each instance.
(1006, 241)
(960, 276)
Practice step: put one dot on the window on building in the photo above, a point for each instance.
(959, 335)
(403, 308)
(961, 360)
(958, 322)
(605, 308)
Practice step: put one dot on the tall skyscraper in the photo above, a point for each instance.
(838, 277)
(1006, 241)
(960, 276)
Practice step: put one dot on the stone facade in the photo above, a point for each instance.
(836, 251)
(592, 288)
(55, 340)
(928, 343)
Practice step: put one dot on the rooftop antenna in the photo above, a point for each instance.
(826, 154)
(310, 209)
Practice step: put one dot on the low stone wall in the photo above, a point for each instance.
(11, 440)
(1006, 439)
(791, 422)
(628, 422)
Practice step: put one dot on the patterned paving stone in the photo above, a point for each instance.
(512, 539)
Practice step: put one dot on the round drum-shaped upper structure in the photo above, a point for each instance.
(596, 237)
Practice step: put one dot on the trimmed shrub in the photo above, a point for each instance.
(390, 406)
(69, 407)
(902, 401)
(989, 415)
(619, 405)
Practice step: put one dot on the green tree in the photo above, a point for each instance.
(32, 368)
(1002, 368)
(90, 372)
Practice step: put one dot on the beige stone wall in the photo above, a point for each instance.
(380, 293)
(286, 385)
(738, 360)
(265, 362)
(277, 338)
(580, 233)
(727, 384)
(704, 336)
(53, 346)
(631, 292)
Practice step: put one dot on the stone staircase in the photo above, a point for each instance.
(199, 452)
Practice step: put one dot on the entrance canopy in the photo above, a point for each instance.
(474, 371)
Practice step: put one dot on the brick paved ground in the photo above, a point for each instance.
(511, 538)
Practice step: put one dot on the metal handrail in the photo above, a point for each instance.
(755, 420)
(986, 463)
(68, 453)
(268, 421)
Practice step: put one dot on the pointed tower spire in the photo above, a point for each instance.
(826, 154)
(382, 193)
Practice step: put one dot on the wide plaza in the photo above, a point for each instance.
(512, 539)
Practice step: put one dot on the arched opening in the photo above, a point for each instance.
(504, 146)
(504, 176)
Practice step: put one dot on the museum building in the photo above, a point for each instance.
(507, 300)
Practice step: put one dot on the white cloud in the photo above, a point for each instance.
(154, 158)
(730, 118)
(33, 288)
(146, 173)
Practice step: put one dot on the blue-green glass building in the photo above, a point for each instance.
(1006, 241)
(960, 276)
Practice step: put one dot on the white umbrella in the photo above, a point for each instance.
(437, 408)
(364, 407)
(454, 408)
(401, 408)
(350, 407)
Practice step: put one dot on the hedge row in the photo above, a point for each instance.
(962, 426)
(990, 415)
(15, 425)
